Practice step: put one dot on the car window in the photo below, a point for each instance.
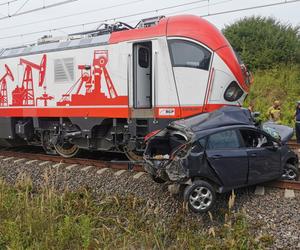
(255, 139)
(223, 140)
(199, 146)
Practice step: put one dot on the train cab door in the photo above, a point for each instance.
(142, 76)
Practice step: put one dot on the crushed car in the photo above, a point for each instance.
(218, 152)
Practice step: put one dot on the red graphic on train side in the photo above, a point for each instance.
(24, 95)
(90, 82)
(3, 86)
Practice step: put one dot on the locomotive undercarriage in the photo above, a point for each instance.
(66, 136)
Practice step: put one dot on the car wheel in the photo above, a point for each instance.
(157, 179)
(290, 172)
(200, 196)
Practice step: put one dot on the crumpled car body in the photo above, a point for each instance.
(225, 148)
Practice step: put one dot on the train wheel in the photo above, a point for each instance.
(50, 150)
(133, 155)
(66, 150)
(47, 146)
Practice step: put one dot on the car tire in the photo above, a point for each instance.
(291, 172)
(158, 179)
(200, 196)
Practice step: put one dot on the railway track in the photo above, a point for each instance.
(294, 145)
(294, 185)
(118, 163)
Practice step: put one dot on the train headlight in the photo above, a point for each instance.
(233, 92)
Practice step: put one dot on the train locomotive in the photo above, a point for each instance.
(105, 89)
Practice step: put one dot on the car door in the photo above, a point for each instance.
(197, 163)
(228, 157)
(264, 158)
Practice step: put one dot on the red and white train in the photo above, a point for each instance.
(106, 89)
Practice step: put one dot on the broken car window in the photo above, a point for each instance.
(202, 142)
(199, 146)
(223, 140)
(254, 139)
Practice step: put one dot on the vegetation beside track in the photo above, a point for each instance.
(271, 50)
(279, 83)
(46, 219)
(264, 42)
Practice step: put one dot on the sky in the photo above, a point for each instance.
(55, 20)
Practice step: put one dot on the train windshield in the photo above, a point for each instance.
(189, 54)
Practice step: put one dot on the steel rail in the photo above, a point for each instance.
(118, 165)
(295, 185)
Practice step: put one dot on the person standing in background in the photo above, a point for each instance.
(274, 112)
(297, 118)
(251, 107)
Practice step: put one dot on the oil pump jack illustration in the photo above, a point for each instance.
(3, 86)
(90, 83)
(24, 95)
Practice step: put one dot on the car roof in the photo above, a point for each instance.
(203, 133)
(224, 117)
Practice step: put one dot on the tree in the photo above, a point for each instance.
(264, 42)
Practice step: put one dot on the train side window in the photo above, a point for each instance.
(143, 57)
(189, 54)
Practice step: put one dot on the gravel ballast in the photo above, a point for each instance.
(272, 213)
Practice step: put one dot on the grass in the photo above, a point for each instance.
(47, 219)
(280, 83)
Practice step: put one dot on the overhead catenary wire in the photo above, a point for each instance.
(38, 9)
(134, 21)
(105, 20)
(9, 2)
(147, 12)
(23, 5)
(72, 15)
(250, 8)
(199, 7)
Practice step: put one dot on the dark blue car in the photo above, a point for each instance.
(218, 152)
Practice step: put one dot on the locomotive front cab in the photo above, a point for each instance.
(207, 71)
(191, 62)
(179, 67)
